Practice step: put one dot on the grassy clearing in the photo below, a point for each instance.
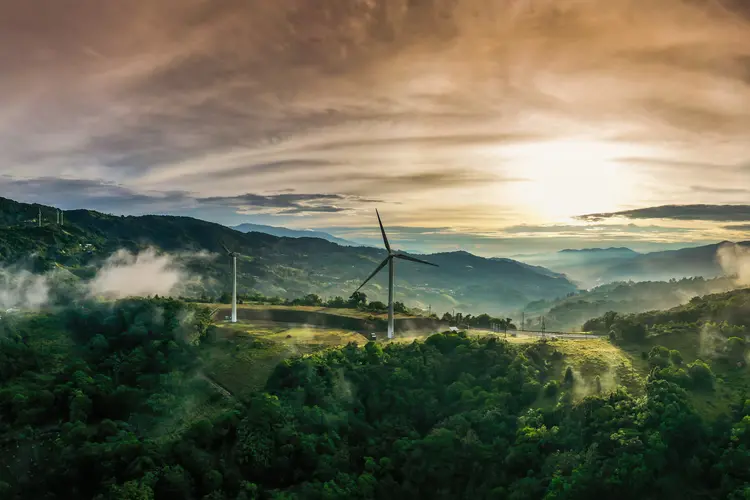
(244, 354)
(592, 358)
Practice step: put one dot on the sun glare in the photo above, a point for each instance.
(567, 178)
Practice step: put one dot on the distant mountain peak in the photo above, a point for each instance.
(284, 232)
(600, 250)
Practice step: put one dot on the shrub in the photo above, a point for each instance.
(568, 379)
(551, 388)
(701, 374)
(658, 357)
(598, 385)
(675, 357)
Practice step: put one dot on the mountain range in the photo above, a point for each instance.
(293, 233)
(596, 266)
(272, 265)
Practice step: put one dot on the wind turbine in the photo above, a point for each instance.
(233, 256)
(390, 261)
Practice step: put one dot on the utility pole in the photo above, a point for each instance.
(523, 320)
(40, 217)
(543, 326)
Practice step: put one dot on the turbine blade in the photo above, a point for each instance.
(381, 266)
(413, 259)
(385, 238)
(225, 248)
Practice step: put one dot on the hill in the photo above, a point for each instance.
(293, 233)
(598, 266)
(572, 311)
(685, 262)
(287, 267)
(600, 252)
(588, 266)
(712, 329)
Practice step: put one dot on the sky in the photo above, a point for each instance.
(500, 127)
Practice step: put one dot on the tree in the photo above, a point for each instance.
(568, 379)
(701, 374)
(357, 299)
(131, 490)
(609, 318)
(659, 357)
(735, 349)
(337, 302)
(551, 388)
(377, 306)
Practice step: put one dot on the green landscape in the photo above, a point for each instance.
(374, 250)
(156, 397)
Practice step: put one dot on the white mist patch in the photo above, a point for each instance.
(735, 260)
(21, 289)
(125, 274)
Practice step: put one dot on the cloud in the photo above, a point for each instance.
(737, 227)
(21, 289)
(679, 212)
(595, 228)
(104, 195)
(735, 261)
(175, 101)
(719, 190)
(122, 274)
(126, 274)
(88, 193)
(287, 203)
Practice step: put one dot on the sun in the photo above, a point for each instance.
(565, 178)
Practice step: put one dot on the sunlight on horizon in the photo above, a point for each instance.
(565, 178)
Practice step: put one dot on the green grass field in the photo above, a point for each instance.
(244, 354)
(597, 357)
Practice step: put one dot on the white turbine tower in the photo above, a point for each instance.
(389, 260)
(233, 256)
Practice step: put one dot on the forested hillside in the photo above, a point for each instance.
(730, 310)
(576, 308)
(109, 401)
(288, 267)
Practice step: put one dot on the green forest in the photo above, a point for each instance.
(109, 401)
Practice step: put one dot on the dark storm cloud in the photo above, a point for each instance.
(679, 212)
(737, 227)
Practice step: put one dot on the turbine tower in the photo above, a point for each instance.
(233, 256)
(390, 261)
